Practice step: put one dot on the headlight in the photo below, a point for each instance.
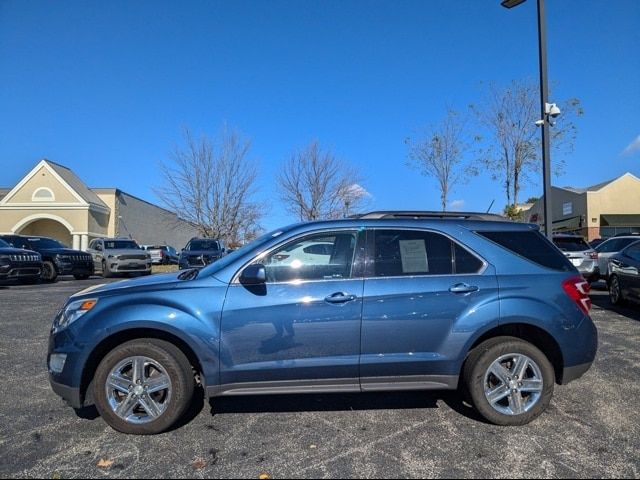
(113, 256)
(73, 312)
(63, 258)
(5, 260)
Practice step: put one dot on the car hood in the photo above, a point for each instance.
(62, 251)
(195, 253)
(165, 281)
(16, 251)
(126, 251)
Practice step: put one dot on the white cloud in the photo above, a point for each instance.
(456, 205)
(633, 147)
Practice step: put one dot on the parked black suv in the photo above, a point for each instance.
(18, 264)
(200, 252)
(56, 258)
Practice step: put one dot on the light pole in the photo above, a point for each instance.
(546, 110)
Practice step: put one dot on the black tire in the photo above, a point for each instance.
(81, 277)
(49, 272)
(616, 297)
(106, 273)
(477, 366)
(172, 360)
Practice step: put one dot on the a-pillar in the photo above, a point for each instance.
(76, 242)
(84, 244)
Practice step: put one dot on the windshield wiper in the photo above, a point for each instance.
(189, 274)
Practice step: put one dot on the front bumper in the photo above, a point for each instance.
(130, 266)
(69, 394)
(20, 271)
(83, 268)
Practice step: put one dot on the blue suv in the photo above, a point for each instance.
(392, 301)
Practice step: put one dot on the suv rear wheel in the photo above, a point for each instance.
(143, 387)
(509, 381)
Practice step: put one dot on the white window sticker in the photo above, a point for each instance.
(414, 256)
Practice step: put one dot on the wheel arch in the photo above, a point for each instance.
(537, 336)
(118, 338)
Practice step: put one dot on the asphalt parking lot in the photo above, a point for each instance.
(591, 430)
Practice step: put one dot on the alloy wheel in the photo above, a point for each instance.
(138, 390)
(614, 291)
(513, 384)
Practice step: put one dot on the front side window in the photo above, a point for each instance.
(412, 252)
(325, 256)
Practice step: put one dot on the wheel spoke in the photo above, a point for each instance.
(125, 408)
(150, 406)
(516, 402)
(157, 384)
(500, 372)
(119, 383)
(532, 385)
(497, 394)
(520, 366)
(138, 370)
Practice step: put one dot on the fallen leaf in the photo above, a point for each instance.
(104, 463)
(264, 476)
(199, 464)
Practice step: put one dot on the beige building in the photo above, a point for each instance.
(52, 201)
(600, 211)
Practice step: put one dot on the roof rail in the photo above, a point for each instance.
(417, 215)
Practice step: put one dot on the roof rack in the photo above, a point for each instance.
(417, 215)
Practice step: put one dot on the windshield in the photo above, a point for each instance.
(255, 246)
(204, 245)
(571, 244)
(45, 243)
(120, 245)
(4, 244)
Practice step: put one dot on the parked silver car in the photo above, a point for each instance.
(113, 256)
(578, 251)
(163, 254)
(611, 247)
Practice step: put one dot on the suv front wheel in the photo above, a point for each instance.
(509, 381)
(143, 387)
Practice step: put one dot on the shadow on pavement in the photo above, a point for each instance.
(341, 402)
(630, 310)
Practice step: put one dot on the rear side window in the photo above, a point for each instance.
(411, 252)
(571, 244)
(533, 246)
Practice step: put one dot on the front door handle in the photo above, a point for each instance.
(339, 297)
(463, 288)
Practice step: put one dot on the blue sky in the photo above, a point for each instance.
(106, 87)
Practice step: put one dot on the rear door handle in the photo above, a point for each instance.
(339, 297)
(463, 288)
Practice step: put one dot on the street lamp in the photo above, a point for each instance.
(546, 111)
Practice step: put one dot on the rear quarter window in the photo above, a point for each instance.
(533, 246)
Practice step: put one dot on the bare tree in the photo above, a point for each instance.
(210, 183)
(439, 153)
(508, 116)
(315, 185)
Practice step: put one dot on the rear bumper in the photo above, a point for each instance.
(569, 374)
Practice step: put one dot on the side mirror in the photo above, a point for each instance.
(254, 274)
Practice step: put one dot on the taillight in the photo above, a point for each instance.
(577, 288)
